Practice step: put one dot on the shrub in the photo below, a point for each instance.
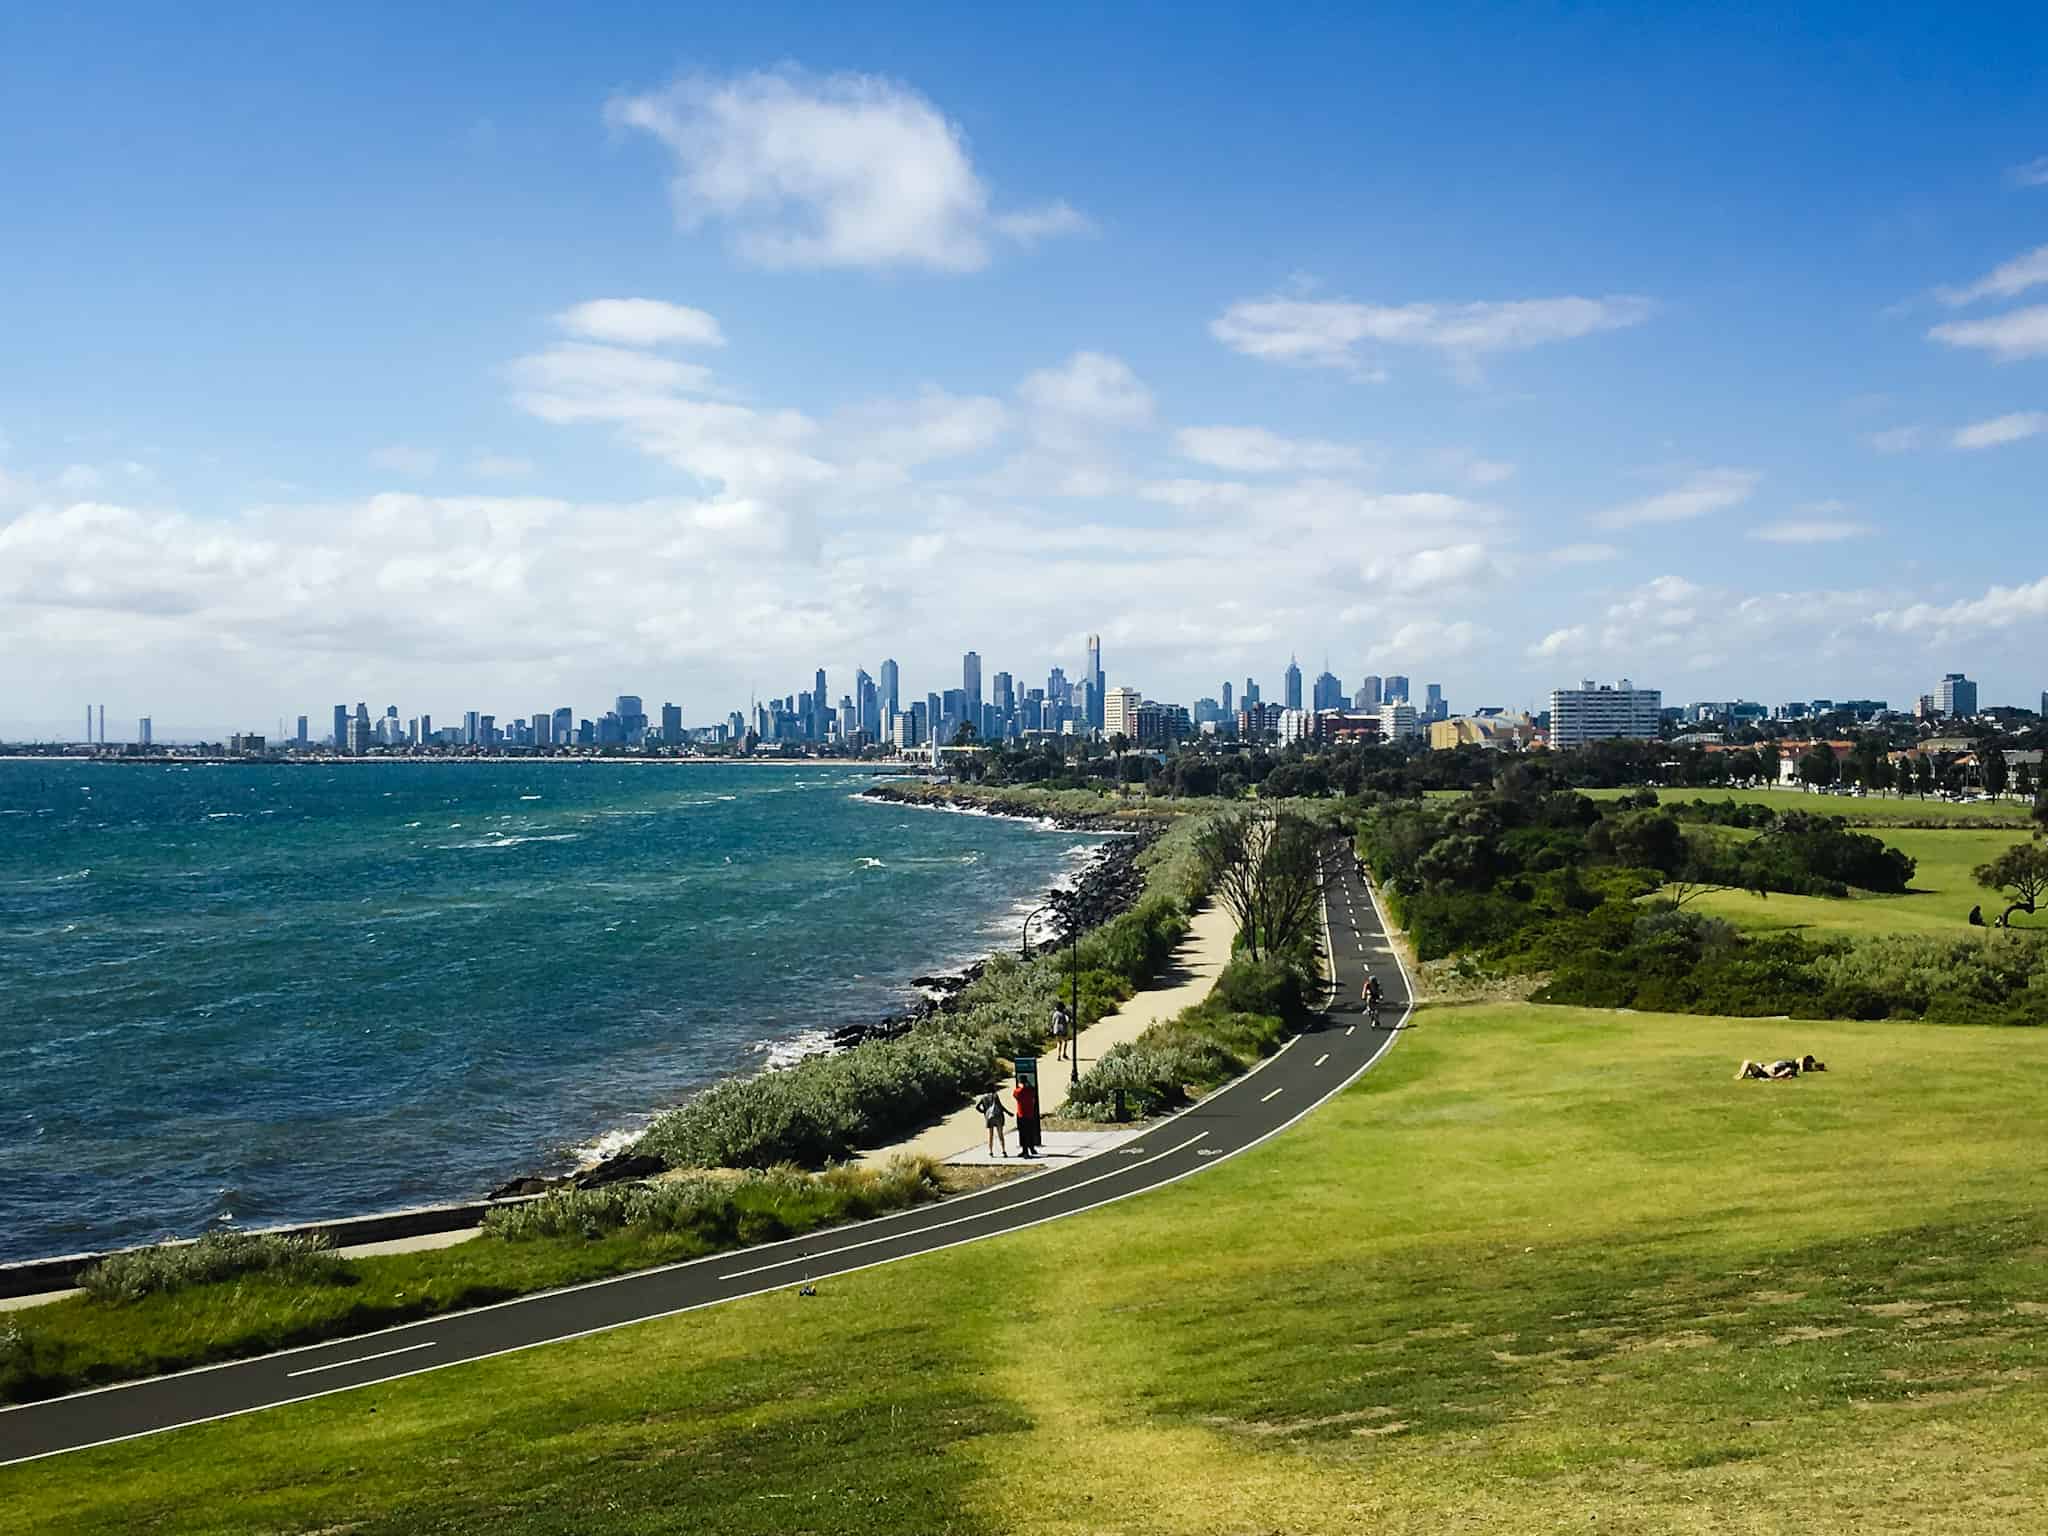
(216, 1256)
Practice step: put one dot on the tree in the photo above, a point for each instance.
(2041, 813)
(1923, 776)
(1228, 847)
(1767, 761)
(964, 736)
(2023, 781)
(1266, 870)
(2021, 870)
(1818, 767)
(1992, 761)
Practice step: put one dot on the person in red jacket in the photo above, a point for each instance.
(1027, 1120)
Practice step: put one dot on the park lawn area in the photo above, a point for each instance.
(1540, 1268)
(1868, 811)
(1939, 902)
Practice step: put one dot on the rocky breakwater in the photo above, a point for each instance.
(1109, 886)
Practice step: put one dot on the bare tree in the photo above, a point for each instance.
(1228, 847)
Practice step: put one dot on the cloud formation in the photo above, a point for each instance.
(2028, 270)
(1328, 333)
(2016, 334)
(2000, 430)
(1254, 450)
(1810, 531)
(640, 323)
(1710, 490)
(842, 170)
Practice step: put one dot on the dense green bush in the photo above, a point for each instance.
(216, 1256)
(758, 1206)
(1253, 1008)
(1990, 977)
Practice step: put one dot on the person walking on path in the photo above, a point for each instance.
(1062, 1028)
(1027, 1120)
(993, 1115)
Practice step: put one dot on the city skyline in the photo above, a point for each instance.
(639, 352)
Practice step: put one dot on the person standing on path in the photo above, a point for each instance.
(1062, 1028)
(993, 1115)
(1027, 1120)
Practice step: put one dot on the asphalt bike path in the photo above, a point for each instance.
(1310, 1068)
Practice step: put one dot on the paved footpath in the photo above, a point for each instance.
(1311, 1067)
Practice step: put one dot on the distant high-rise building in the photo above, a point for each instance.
(1329, 693)
(1120, 713)
(339, 741)
(543, 729)
(565, 726)
(143, 738)
(1006, 693)
(890, 697)
(1058, 691)
(470, 720)
(1597, 712)
(671, 725)
(1433, 707)
(1293, 684)
(1398, 721)
(632, 719)
(426, 728)
(1956, 696)
(301, 737)
(867, 704)
(970, 684)
(1095, 681)
(1251, 695)
(1369, 695)
(1227, 709)
(1394, 690)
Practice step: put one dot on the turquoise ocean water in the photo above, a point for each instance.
(263, 994)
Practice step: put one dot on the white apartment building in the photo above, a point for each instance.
(1399, 722)
(1596, 712)
(1296, 725)
(1120, 713)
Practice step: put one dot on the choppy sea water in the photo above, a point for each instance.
(264, 994)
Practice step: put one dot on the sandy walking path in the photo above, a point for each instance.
(1197, 961)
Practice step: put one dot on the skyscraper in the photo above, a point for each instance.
(891, 703)
(565, 726)
(821, 711)
(1329, 693)
(1293, 686)
(671, 724)
(470, 719)
(970, 685)
(1957, 696)
(632, 719)
(1095, 680)
(1228, 712)
(1433, 707)
(867, 705)
(543, 729)
(142, 732)
(340, 742)
(1368, 695)
(1251, 694)
(1395, 690)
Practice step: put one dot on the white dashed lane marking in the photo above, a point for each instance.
(314, 1370)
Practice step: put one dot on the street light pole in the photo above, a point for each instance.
(1074, 1011)
(1027, 926)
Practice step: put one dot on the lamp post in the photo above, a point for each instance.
(1046, 907)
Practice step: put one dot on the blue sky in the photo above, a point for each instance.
(501, 358)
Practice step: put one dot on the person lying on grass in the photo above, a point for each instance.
(1782, 1070)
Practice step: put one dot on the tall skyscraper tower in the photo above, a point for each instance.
(1395, 689)
(340, 742)
(1229, 713)
(891, 699)
(1293, 683)
(1094, 679)
(970, 684)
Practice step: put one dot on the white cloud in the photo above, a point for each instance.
(842, 170)
(2000, 430)
(1254, 450)
(2024, 271)
(1998, 608)
(1449, 569)
(1489, 471)
(641, 323)
(401, 459)
(1710, 490)
(934, 426)
(499, 466)
(1429, 640)
(1561, 642)
(2008, 337)
(1896, 439)
(1810, 531)
(2033, 174)
(1036, 224)
(1090, 393)
(1327, 333)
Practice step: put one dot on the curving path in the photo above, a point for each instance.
(1264, 1102)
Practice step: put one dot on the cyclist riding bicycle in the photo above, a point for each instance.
(1372, 998)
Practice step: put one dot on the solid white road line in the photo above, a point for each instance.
(1273, 1095)
(1322, 1058)
(940, 1226)
(1350, 1032)
(386, 1354)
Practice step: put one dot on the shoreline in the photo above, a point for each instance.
(1109, 869)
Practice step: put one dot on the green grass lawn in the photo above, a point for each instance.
(1939, 902)
(1541, 1269)
(1870, 810)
